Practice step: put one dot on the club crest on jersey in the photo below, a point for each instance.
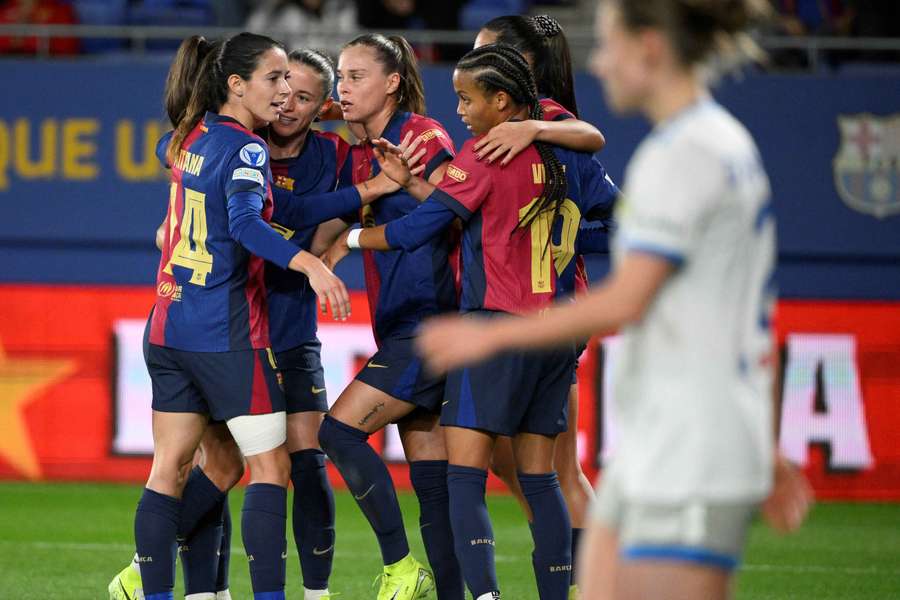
(253, 154)
(867, 164)
(454, 172)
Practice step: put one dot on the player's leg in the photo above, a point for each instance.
(423, 443)
(358, 412)
(503, 465)
(576, 488)
(313, 509)
(469, 454)
(598, 562)
(219, 468)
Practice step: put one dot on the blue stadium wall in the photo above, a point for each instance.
(82, 193)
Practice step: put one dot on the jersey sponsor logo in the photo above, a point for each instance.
(253, 154)
(248, 175)
(867, 164)
(168, 289)
(429, 135)
(189, 162)
(454, 172)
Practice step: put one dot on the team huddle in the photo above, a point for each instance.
(262, 207)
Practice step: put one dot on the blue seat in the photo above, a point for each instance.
(101, 12)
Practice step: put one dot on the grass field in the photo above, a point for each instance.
(68, 540)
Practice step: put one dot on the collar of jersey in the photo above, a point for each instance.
(212, 117)
(395, 124)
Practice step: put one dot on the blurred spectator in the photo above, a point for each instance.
(323, 24)
(875, 18)
(230, 13)
(379, 15)
(37, 12)
(814, 17)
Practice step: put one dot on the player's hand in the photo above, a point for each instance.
(327, 286)
(337, 251)
(399, 162)
(446, 343)
(505, 140)
(332, 113)
(787, 506)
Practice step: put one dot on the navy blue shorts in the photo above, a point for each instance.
(580, 347)
(222, 385)
(398, 371)
(514, 392)
(303, 378)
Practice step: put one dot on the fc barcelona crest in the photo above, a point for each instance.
(867, 165)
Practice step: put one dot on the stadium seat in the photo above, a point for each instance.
(101, 12)
(182, 13)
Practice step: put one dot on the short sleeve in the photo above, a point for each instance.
(554, 111)
(465, 185)
(436, 142)
(668, 200)
(247, 169)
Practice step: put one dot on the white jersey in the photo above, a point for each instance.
(692, 382)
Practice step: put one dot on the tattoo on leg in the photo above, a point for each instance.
(372, 413)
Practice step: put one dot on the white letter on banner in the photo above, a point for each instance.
(831, 360)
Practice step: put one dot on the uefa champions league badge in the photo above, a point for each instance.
(253, 154)
(867, 164)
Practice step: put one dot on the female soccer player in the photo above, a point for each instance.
(691, 293)
(543, 43)
(209, 338)
(511, 262)
(380, 89)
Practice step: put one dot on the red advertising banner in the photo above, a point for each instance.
(74, 406)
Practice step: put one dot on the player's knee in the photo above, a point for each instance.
(273, 466)
(503, 469)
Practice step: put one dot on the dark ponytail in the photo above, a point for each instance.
(397, 56)
(541, 39)
(239, 55)
(182, 73)
(498, 67)
(699, 30)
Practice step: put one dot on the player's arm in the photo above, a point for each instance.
(161, 235)
(326, 234)
(593, 237)
(508, 139)
(621, 300)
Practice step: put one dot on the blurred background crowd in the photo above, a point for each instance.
(324, 23)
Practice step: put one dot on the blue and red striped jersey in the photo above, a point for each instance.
(506, 267)
(293, 310)
(210, 293)
(405, 287)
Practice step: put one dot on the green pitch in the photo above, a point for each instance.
(67, 541)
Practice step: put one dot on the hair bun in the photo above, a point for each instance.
(546, 25)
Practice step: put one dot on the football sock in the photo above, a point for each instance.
(473, 535)
(429, 480)
(576, 537)
(263, 523)
(313, 517)
(200, 552)
(368, 479)
(224, 551)
(552, 531)
(155, 527)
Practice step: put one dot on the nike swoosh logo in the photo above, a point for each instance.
(372, 365)
(445, 402)
(284, 555)
(366, 493)
(318, 552)
(316, 390)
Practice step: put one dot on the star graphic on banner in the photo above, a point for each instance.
(21, 382)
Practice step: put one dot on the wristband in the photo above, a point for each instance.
(353, 239)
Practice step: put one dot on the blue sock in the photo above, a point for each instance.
(224, 549)
(200, 497)
(369, 481)
(576, 537)
(313, 517)
(429, 480)
(552, 533)
(200, 552)
(263, 524)
(473, 535)
(155, 527)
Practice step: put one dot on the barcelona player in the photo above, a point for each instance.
(542, 41)
(209, 354)
(691, 291)
(380, 89)
(521, 226)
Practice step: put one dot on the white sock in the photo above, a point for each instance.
(201, 596)
(314, 594)
(489, 596)
(223, 595)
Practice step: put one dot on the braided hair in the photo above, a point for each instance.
(498, 67)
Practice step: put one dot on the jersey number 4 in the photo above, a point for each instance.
(190, 251)
(561, 253)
